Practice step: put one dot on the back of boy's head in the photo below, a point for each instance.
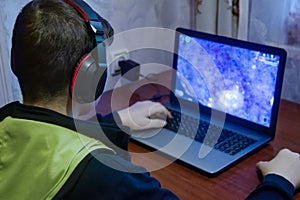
(49, 38)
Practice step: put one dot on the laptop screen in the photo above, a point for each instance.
(239, 80)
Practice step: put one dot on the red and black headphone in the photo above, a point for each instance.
(89, 78)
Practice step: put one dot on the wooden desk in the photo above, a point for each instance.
(235, 183)
(238, 181)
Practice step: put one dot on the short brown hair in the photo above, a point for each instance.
(49, 38)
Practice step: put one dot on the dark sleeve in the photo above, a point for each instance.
(115, 132)
(101, 178)
(112, 118)
(273, 187)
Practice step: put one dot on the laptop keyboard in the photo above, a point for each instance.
(229, 142)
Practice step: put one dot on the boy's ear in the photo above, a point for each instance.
(12, 61)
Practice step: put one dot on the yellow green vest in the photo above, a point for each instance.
(37, 158)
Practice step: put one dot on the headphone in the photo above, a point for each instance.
(85, 85)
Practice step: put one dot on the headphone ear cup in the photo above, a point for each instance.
(88, 80)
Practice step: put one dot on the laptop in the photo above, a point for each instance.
(224, 99)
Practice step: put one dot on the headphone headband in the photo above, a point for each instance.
(100, 27)
(78, 9)
(88, 80)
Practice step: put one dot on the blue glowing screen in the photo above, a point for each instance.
(237, 80)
